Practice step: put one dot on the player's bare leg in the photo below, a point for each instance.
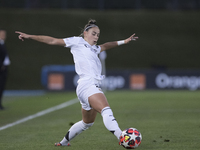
(89, 116)
(99, 103)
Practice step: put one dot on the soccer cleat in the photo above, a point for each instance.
(59, 144)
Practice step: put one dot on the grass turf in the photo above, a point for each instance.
(166, 119)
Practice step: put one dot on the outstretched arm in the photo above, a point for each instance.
(41, 38)
(110, 45)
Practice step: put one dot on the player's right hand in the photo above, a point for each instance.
(22, 36)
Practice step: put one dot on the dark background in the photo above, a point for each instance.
(168, 30)
(102, 4)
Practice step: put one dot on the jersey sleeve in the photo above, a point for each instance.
(71, 41)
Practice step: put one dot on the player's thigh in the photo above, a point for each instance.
(98, 101)
(89, 116)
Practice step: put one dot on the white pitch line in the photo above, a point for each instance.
(41, 113)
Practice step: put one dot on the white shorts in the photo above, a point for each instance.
(85, 89)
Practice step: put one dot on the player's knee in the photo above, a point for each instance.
(86, 125)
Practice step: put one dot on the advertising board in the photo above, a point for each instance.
(66, 79)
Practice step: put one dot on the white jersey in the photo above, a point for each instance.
(87, 63)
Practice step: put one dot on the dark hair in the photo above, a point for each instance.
(2, 29)
(91, 23)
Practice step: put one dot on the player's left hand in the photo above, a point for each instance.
(131, 38)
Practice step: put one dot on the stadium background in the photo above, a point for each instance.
(168, 34)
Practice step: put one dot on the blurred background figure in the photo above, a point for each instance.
(4, 62)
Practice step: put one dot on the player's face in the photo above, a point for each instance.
(92, 35)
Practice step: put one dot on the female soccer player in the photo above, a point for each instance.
(88, 67)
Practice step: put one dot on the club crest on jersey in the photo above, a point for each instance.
(93, 50)
(86, 45)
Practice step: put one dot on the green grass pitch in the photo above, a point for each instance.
(167, 120)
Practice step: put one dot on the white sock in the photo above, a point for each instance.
(110, 121)
(75, 130)
(64, 141)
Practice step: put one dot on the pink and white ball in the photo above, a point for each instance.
(130, 138)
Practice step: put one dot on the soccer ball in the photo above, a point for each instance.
(130, 138)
